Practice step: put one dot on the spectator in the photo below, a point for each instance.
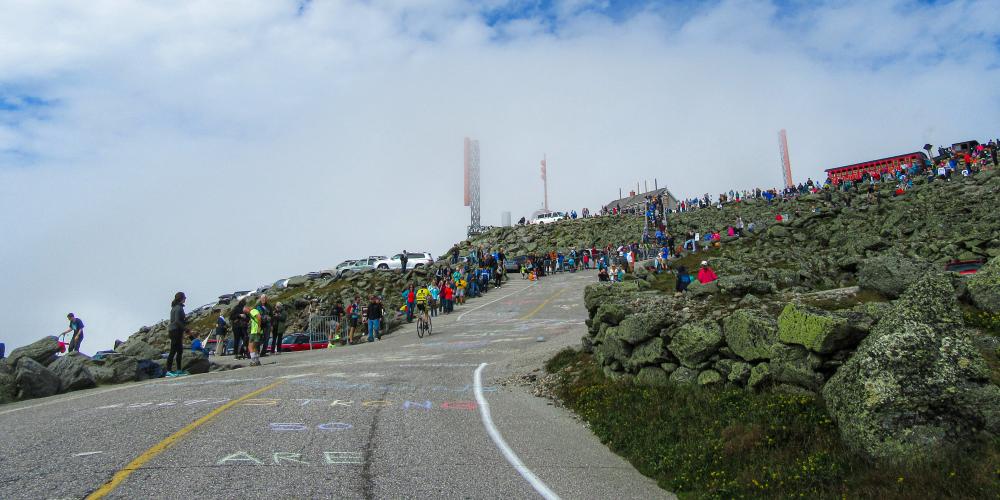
(220, 334)
(175, 331)
(683, 279)
(279, 322)
(374, 318)
(75, 326)
(706, 274)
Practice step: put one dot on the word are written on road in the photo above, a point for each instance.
(314, 402)
(285, 458)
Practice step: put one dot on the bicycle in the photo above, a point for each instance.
(423, 325)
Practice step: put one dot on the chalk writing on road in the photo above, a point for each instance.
(313, 402)
(284, 458)
(301, 427)
(385, 388)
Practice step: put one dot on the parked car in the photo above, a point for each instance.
(282, 283)
(964, 267)
(241, 294)
(413, 261)
(211, 344)
(547, 218)
(204, 308)
(301, 342)
(227, 298)
(513, 264)
(263, 288)
(314, 275)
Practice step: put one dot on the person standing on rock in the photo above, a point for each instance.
(402, 260)
(75, 326)
(374, 319)
(175, 330)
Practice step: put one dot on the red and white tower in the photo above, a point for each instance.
(786, 165)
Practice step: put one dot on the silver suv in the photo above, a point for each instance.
(413, 261)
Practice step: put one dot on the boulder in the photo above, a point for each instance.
(652, 376)
(72, 372)
(114, 370)
(610, 313)
(709, 377)
(35, 380)
(684, 376)
(818, 330)
(760, 375)
(750, 334)
(793, 364)
(916, 385)
(139, 350)
(889, 274)
(611, 350)
(8, 388)
(739, 373)
(196, 362)
(697, 289)
(639, 327)
(43, 351)
(649, 353)
(984, 287)
(695, 342)
(149, 368)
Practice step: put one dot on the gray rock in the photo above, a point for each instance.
(196, 362)
(114, 370)
(139, 350)
(984, 287)
(8, 388)
(792, 364)
(760, 376)
(818, 330)
(750, 334)
(709, 377)
(889, 274)
(684, 376)
(694, 343)
(639, 327)
(651, 352)
(652, 376)
(42, 351)
(72, 372)
(917, 385)
(739, 373)
(35, 380)
(669, 367)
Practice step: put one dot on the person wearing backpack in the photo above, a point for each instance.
(683, 279)
(75, 326)
(279, 322)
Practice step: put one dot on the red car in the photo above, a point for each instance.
(301, 342)
(964, 267)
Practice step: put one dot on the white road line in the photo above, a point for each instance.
(484, 412)
(88, 453)
(460, 316)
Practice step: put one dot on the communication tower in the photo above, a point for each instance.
(472, 184)
(786, 166)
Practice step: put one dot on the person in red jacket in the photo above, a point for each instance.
(706, 274)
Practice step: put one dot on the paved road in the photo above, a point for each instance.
(396, 418)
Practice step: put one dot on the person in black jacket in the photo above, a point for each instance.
(402, 260)
(175, 330)
(240, 323)
(374, 318)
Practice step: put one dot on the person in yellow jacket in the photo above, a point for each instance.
(460, 289)
(422, 295)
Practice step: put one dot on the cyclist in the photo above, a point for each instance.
(421, 300)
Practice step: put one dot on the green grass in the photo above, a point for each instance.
(732, 443)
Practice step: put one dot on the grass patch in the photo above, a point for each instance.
(732, 443)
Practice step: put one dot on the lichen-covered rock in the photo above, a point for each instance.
(114, 370)
(639, 327)
(610, 313)
(793, 364)
(8, 388)
(651, 352)
(750, 334)
(684, 376)
(698, 289)
(72, 372)
(819, 331)
(739, 373)
(709, 377)
(984, 287)
(695, 342)
(652, 376)
(139, 350)
(915, 386)
(669, 367)
(610, 350)
(889, 274)
(760, 375)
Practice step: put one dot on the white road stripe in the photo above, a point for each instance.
(523, 470)
(460, 316)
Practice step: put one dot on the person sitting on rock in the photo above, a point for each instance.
(706, 274)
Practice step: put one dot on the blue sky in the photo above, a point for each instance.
(138, 140)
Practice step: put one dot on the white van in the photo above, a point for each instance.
(547, 218)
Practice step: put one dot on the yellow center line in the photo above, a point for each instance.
(543, 304)
(168, 442)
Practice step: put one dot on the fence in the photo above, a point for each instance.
(322, 328)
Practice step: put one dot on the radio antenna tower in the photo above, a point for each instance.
(545, 183)
(786, 165)
(472, 184)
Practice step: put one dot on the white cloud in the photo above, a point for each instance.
(207, 146)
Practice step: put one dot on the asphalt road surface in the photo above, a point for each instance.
(398, 418)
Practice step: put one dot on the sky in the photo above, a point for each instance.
(208, 146)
